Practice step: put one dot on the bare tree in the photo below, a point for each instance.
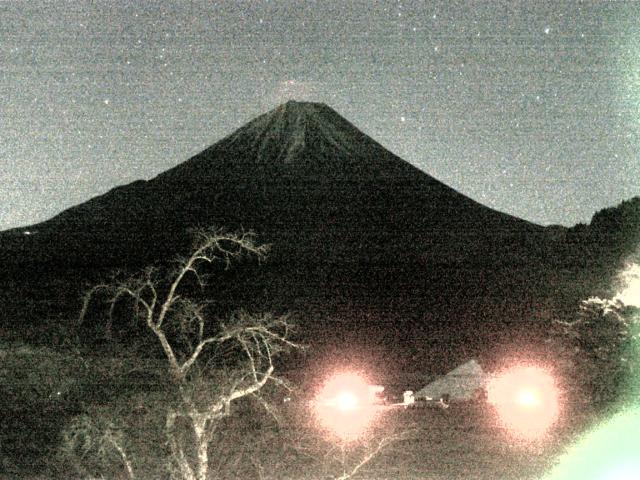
(367, 452)
(99, 439)
(190, 339)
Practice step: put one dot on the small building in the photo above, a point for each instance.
(464, 383)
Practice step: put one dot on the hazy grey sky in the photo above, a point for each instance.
(532, 108)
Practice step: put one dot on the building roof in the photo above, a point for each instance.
(461, 383)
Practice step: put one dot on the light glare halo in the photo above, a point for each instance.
(343, 406)
(526, 400)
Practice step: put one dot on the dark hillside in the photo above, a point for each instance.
(360, 238)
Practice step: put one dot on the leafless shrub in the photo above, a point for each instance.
(206, 385)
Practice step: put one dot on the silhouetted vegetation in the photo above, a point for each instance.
(208, 366)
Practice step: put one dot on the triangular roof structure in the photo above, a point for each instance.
(460, 384)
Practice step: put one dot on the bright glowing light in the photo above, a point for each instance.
(610, 452)
(347, 401)
(624, 471)
(343, 406)
(526, 399)
(630, 293)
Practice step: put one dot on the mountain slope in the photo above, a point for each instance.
(298, 174)
(359, 235)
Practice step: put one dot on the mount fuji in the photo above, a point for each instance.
(360, 238)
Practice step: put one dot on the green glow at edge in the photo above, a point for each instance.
(610, 452)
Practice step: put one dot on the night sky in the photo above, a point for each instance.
(531, 108)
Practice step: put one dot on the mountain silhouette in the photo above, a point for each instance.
(358, 235)
(304, 179)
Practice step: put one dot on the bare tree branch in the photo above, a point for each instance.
(180, 326)
(370, 454)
